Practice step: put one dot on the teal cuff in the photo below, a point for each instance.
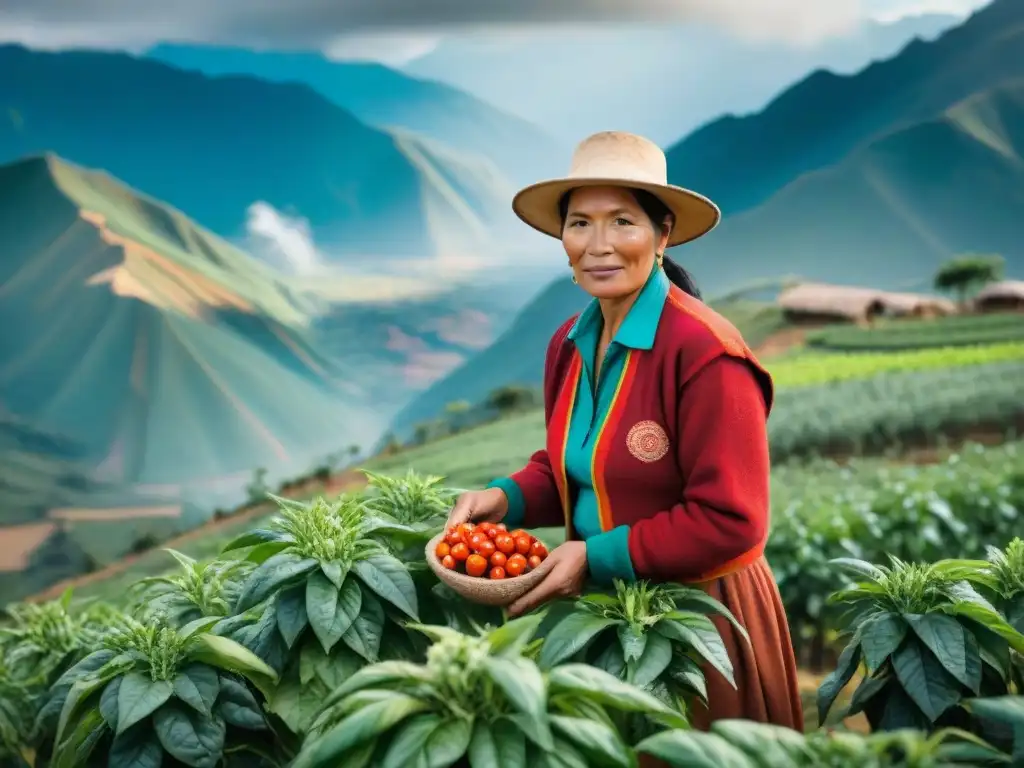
(608, 556)
(516, 514)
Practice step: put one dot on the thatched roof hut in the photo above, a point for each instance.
(1001, 296)
(822, 302)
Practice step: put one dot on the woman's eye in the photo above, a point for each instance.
(623, 222)
(577, 223)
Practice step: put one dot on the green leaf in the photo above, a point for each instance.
(291, 614)
(685, 672)
(925, 680)
(76, 749)
(406, 750)
(656, 657)
(768, 745)
(238, 706)
(865, 692)
(383, 674)
(79, 694)
(497, 745)
(944, 637)
(700, 634)
(386, 576)
(280, 570)
(570, 636)
(254, 537)
(597, 741)
(599, 686)
(632, 640)
(139, 697)
(447, 743)
(511, 637)
(222, 653)
(137, 748)
(690, 599)
(108, 703)
(335, 572)
(880, 636)
(197, 686)
(186, 736)
(365, 634)
(263, 552)
(331, 610)
(331, 669)
(838, 679)
(693, 749)
(523, 684)
(361, 726)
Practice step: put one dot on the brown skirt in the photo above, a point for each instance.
(766, 689)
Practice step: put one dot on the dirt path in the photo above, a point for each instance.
(348, 480)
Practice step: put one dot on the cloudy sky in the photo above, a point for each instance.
(403, 29)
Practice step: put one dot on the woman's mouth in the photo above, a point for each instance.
(603, 273)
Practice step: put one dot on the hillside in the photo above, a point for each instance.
(517, 355)
(386, 98)
(742, 161)
(165, 356)
(163, 130)
(893, 210)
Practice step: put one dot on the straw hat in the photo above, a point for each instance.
(615, 158)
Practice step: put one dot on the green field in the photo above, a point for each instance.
(892, 335)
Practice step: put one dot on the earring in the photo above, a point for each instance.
(574, 281)
(661, 260)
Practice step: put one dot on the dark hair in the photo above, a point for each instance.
(656, 211)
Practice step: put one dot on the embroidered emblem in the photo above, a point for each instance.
(647, 441)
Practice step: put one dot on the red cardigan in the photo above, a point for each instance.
(683, 458)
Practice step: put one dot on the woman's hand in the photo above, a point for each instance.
(565, 579)
(489, 506)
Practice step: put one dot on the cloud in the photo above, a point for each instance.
(285, 241)
(888, 11)
(332, 25)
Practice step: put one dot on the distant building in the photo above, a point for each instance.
(820, 303)
(1007, 295)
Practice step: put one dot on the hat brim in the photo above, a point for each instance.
(695, 215)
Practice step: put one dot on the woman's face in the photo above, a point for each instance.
(610, 241)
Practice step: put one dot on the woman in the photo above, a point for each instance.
(656, 410)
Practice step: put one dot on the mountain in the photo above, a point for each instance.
(515, 357)
(214, 147)
(742, 161)
(659, 80)
(892, 210)
(163, 355)
(386, 98)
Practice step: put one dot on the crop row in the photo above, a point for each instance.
(817, 368)
(857, 416)
(870, 415)
(955, 330)
(319, 639)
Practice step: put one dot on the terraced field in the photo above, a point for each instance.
(892, 335)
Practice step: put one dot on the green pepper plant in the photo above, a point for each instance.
(653, 636)
(153, 690)
(324, 598)
(927, 639)
(478, 702)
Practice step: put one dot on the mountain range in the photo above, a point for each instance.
(660, 80)
(871, 179)
(362, 194)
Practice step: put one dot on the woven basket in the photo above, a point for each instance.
(483, 590)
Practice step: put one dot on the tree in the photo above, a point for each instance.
(455, 413)
(510, 398)
(966, 274)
